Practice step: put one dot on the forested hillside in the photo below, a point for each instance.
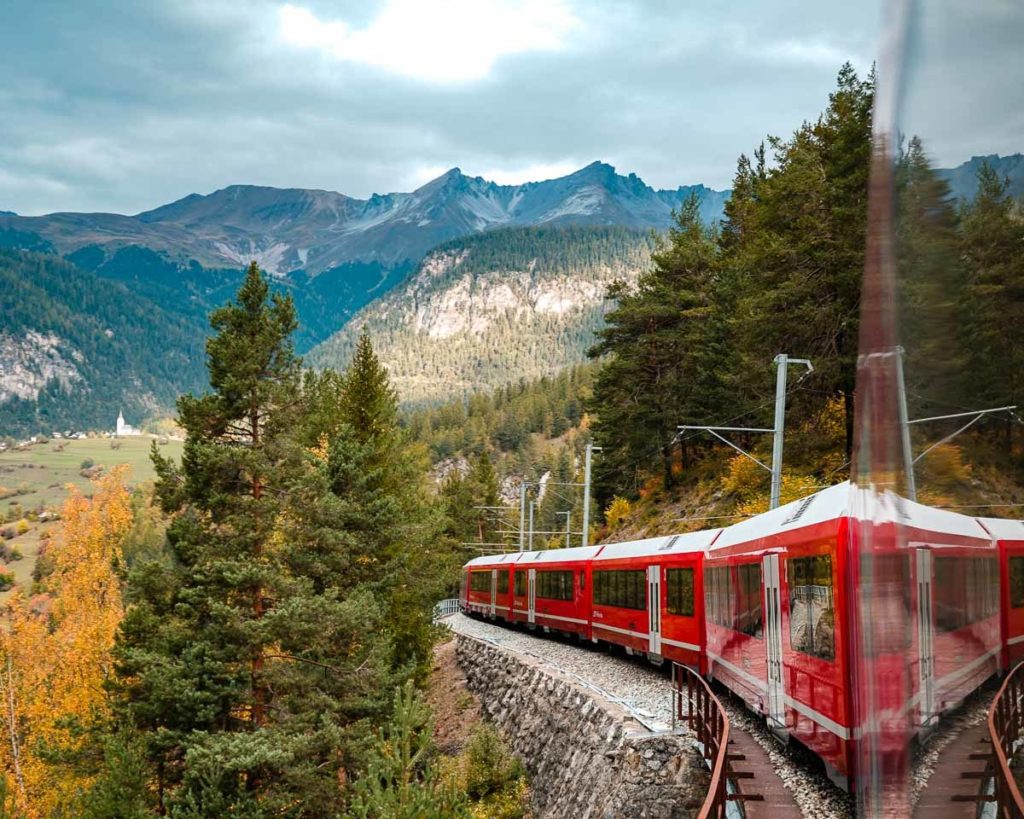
(505, 304)
(694, 341)
(74, 348)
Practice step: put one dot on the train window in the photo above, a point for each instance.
(965, 591)
(555, 585)
(748, 593)
(519, 585)
(1016, 582)
(720, 596)
(480, 581)
(503, 581)
(811, 606)
(583, 580)
(885, 579)
(624, 589)
(679, 591)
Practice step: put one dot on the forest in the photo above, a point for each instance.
(249, 636)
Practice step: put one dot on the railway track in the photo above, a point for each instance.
(949, 773)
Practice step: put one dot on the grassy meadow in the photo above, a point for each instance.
(37, 479)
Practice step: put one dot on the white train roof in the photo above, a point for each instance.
(493, 560)
(931, 519)
(1003, 529)
(558, 555)
(664, 545)
(828, 504)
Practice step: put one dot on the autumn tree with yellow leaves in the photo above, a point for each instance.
(55, 657)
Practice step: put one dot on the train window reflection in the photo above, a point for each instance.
(748, 594)
(503, 581)
(625, 589)
(520, 584)
(1017, 582)
(555, 585)
(811, 606)
(679, 591)
(480, 581)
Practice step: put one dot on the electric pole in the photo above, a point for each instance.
(568, 532)
(522, 516)
(586, 492)
(533, 505)
(782, 361)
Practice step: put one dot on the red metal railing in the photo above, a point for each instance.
(1005, 725)
(706, 718)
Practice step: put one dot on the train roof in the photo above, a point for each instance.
(828, 504)
(666, 544)
(931, 519)
(493, 560)
(558, 555)
(1004, 529)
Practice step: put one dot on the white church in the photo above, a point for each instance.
(123, 430)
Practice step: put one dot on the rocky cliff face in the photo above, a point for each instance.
(587, 757)
(31, 361)
(483, 312)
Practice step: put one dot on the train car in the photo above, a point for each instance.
(1009, 538)
(776, 630)
(957, 639)
(648, 596)
(551, 589)
(487, 586)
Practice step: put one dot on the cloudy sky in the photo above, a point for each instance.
(120, 105)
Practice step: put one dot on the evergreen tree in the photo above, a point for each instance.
(662, 343)
(993, 253)
(242, 661)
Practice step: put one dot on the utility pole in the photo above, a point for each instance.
(782, 361)
(908, 453)
(586, 492)
(533, 505)
(568, 532)
(522, 516)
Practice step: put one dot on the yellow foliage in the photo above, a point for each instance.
(617, 513)
(52, 669)
(943, 468)
(22, 526)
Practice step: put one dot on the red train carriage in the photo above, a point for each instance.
(775, 619)
(957, 639)
(647, 596)
(1009, 537)
(551, 589)
(487, 586)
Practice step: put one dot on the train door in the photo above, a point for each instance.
(494, 591)
(773, 643)
(654, 609)
(925, 637)
(531, 593)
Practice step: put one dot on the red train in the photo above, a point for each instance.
(766, 608)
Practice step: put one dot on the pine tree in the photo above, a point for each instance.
(993, 255)
(243, 660)
(661, 342)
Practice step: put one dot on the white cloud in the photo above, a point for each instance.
(452, 41)
(537, 172)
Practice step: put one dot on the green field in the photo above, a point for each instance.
(40, 477)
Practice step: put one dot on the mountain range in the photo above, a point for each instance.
(293, 231)
(468, 283)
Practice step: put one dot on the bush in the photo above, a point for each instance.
(88, 463)
(6, 580)
(617, 512)
(22, 526)
(14, 554)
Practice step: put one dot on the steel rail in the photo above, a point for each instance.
(1005, 727)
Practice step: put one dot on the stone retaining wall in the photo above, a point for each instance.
(587, 757)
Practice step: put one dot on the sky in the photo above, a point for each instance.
(120, 106)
